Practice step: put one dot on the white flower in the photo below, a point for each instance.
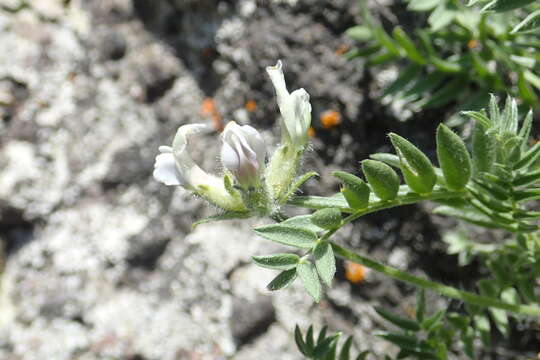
(243, 153)
(294, 107)
(174, 166)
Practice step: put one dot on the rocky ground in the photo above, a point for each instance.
(100, 261)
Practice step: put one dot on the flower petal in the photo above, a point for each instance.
(165, 170)
(278, 80)
(229, 157)
(302, 112)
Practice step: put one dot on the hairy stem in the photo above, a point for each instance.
(423, 283)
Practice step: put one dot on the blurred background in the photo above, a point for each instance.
(99, 261)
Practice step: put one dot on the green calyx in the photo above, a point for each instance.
(382, 178)
(417, 170)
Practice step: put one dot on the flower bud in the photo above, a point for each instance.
(243, 153)
(295, 109)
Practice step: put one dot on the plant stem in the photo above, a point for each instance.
(435, 286)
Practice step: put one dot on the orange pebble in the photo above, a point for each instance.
(251, 105)
(354, 272)
(330, 119)
(208, 107)
(311, 132)
(472, 44)
(342, 49)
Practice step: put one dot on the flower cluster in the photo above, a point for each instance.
(248, 183)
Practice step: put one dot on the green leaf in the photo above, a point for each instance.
(386, 41)
(297, 184)
(432, 322)
(500, 318)
(488, 288)
(406, 77)
(530, 24)
(309, 338)
(359, 33)
(388, 159)
(408, 45)
(446, 66)
(445, 94)
(383, 180)
(529, 157)
(454, 158)
(325, 261)
(420, 305)
(309, 278)
(526, 179)
(229, 215)
(482, 325)
(509, 120)
(460, 322)
(422, 5)
(326, 346)
(329, 218)
(346, 349)
(300, 342)
(483, 149)
(506, 5)
(479, 117)
(442, 15)
(302, 222)
(425, 84)
(355, 190)
(399, 321)
(494, 113)
(406, 342)
(288, 235)
(322, 334)
(277, 261)
(284, 279)
(417, 170)
(525, 131)
(320, 202)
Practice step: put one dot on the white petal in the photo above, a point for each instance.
(192, 174)
(181, 138)
(302, 111)
(165, 149)
(165, 170)
(256, 142)
(278, 80)
(229, 158)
